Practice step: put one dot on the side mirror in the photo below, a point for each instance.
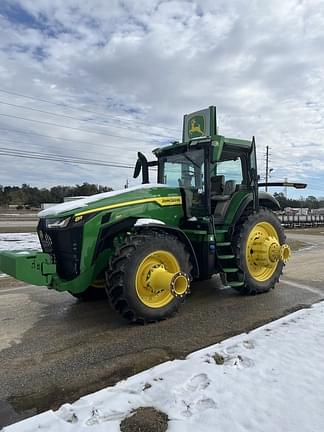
(141, 164)
(137, 168)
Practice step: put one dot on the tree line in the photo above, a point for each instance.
(310, 201)
(27, 196)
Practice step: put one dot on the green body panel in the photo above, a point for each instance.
(236, 200)
(120, 199)
(170, 215)
(217, 147)
(238, 142)
(89, 270)
(29, 266)
(33, 267)
(36, 267)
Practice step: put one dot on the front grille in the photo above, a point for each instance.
(46, 242)
(64, 245)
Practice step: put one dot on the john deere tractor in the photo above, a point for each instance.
(142, 247)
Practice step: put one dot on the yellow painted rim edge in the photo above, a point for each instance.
(141, 290)
(267, 272)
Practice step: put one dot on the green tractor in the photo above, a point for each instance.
(142, 247)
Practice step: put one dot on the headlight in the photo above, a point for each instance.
(57, 223)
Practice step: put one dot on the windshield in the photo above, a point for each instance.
(187, 170)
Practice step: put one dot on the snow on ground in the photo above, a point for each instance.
(18, 241)
(271, 379)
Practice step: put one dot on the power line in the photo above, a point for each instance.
(28, 144)
(73, 128)
(65, 139)
(84, 110)
(79, 119)
(31, 153)
(62, 159)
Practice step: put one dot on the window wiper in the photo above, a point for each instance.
(192, 161)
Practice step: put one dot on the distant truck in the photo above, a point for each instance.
(141, 247)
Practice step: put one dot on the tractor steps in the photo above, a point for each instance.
(227, 261)
(230, 269)
(226, 257)
(235, 284)
(221, 244)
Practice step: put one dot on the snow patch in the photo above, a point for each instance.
(19, 241)
(269, 379)
(147, 221)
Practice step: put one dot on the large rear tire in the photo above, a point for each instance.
(140, 285)
(261, 252)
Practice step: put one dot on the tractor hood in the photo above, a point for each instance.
(162, 194)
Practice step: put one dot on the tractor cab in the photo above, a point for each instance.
(208, 168)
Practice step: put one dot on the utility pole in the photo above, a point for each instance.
(267, 168)
(286, 188)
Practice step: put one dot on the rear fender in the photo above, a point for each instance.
(265, 200)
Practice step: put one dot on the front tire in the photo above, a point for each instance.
(261, 252)
(130, 287)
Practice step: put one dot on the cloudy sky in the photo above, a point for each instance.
(100, 80)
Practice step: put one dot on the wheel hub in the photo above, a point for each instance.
(267, 250)
(159, 279)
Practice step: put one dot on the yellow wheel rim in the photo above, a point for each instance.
(151, 291)
(263, 251)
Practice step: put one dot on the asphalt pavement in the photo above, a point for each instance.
(54, 349)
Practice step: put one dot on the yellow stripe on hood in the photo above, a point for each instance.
(162, 201)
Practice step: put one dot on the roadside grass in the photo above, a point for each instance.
(18, 229)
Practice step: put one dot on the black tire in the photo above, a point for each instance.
(251, 284)
(91, 294)
(121, 275)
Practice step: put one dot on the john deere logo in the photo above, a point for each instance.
(196, 126)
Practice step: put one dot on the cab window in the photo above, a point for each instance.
(185, 170)
(231, 170)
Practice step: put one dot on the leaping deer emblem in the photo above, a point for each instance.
(195, 128)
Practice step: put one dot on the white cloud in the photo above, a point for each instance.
(261, 63)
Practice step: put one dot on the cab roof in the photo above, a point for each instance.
(199, 129)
